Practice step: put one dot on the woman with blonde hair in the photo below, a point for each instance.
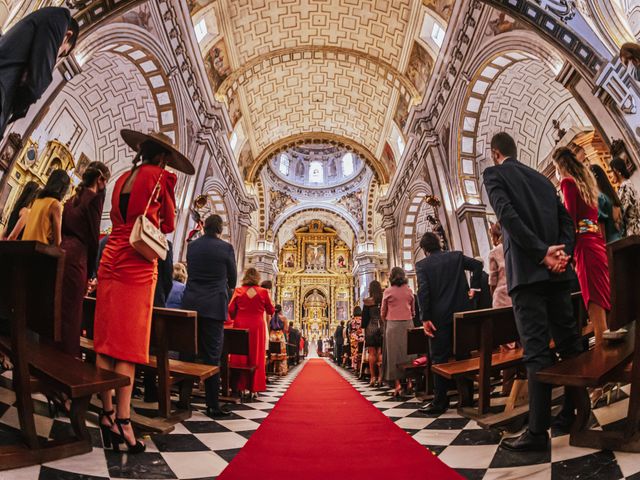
(247, 308)
(580, 193)
(174, 300)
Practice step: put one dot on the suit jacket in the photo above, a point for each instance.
(165, 279)
(29, 49)
(532, 217)
(483, 299)
(339, 335)
(442, 285)
(211, 265)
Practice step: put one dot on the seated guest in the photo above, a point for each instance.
(443, 290)
(277, 326)
(20, 213)
(211, 267)
(500, 295)
(396, 311)
(372, 324)
(178, 285)
(44, 223)
(246, 309)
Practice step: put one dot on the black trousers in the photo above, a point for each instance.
(338, 352)
(441, 350)
(544, 311)
(210, 338)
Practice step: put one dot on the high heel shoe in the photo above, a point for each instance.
(118, 438)
(57, 405)
(105, 430)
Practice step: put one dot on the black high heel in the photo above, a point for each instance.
(119, 438)
(105, 431)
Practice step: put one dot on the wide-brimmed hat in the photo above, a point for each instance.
(178, 161)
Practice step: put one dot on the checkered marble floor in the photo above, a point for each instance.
(198, 448)
(474, 452)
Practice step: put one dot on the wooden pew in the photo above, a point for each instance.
(611, 361)
(30, 296)
(482, 332)
(171, 330)
(418, 344)
(236, 342)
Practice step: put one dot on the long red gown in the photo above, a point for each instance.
(126, 280)
(590, 253)
(247, 308)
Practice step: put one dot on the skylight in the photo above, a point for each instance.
(347, 164)
(283, 164)
(316, 173)
(437, 34)
(201, 29)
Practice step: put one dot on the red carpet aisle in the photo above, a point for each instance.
(322, 428)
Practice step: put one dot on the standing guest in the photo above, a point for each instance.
(372, 324)
(267, 285)
(294, 343)
(247, 308)
(628, 196)
(580, 193)
(126, 278)
(443, 290)
(80, 236)
(579, 152)
(339, 342)
(277, 326)
(500, 296)
(319, 347)
(397, 312)
(355, 336)
(538, 238)
(178, 286)
(28, 55)
(44, 223)
(20, 213)
(609, 207)
(211, 266)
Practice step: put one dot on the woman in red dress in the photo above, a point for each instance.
(126, 280)
(580, 193)
(247, 308)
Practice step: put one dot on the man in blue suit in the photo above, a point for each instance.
(211, 265)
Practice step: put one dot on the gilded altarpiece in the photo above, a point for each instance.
(315, 282)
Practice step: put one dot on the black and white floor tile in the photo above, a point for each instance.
(475, 453)
(199, 448)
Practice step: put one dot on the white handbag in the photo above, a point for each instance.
(146, 238)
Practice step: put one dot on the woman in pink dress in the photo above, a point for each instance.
(247, 308)
(580, 193)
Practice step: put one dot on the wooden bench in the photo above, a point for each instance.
(236, 342)
(30, 296)
(611, 361)
(171, 330)
(482, 332)
(418, 344)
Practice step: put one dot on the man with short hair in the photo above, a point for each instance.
(538, 236)
(339, 341)
(211, 268)
(442, 291)
(28, 55)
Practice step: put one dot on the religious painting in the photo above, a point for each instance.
(245, 160)
(342, 310)
(316, 256)
(402, 112)
(290, 260)
(420, 65)
(502, 23)
(341, 262)
(195, 6)
(234, 109)
(83, 162)
(288, 309)
(388, 159)
(218, 65)
(441, 7)
(139, 16)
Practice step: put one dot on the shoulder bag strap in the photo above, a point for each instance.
(155, 192)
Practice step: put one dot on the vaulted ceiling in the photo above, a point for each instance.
(340, 68)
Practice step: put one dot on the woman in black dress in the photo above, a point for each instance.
(18, 217)
(372, 324)
(80, 237)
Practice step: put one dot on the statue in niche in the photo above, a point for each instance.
(502, 24)
(299, 169)
(332, 170)
(353, 203)
(437, 228)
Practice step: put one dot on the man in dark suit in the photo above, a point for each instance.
(28, 55)
(442, 291)
(211, 265)
(339, 341)
(293, 344)
(538, 236)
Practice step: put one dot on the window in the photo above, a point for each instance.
(437, 34)
(347, 164)
(233, 141)
(316, 172)
(283, 164)
(201, 29)
(401, 144)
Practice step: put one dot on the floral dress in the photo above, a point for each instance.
(629, 199)
(356, 336)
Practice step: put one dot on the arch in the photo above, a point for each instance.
(135, 45)
(410, 232)
(319, 137)
(216, 204)
(302, 214)
(316, 52)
